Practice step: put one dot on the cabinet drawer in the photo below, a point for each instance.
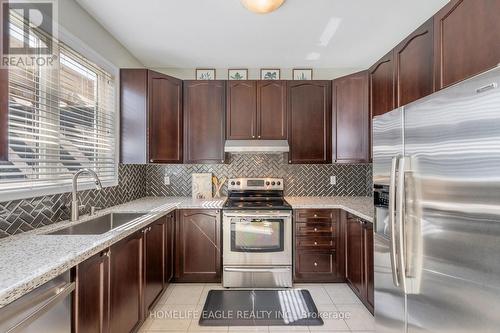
(315, 262)
(320, 229)
(315, 215)
(311, 243)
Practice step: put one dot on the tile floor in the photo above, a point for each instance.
(179, 308)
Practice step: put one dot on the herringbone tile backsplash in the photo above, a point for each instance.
(300, 179)
(136, 181)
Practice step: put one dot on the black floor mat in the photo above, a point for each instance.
(260, 308)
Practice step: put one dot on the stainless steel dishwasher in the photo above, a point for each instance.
(45, 309)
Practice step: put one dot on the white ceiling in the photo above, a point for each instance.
(222, 33)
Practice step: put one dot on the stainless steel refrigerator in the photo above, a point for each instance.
(436, 172)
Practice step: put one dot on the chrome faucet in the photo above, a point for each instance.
(75, 204)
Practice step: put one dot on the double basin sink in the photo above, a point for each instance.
(99, 225)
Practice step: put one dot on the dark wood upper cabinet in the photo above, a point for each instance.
(466, 39)
(309, 121)
(126, 284)
(198, 246)
(204, 115)
(4, 114)
(154, 262)
(241, 113)
(351, 118)
(382, 90)
(414, 58)
(165, 120)
(271, 110)
(150, 102)
(92, 295)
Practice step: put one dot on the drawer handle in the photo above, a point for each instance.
(315, 264)
(315, 229)
(315, 215)
(315, 243)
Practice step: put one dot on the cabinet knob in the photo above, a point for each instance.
(258, 137)
(105, 254)
(315, 229)
(151, 160)
(315, 215)
(222, 161)
(253, 136)
(315, 243)
(315, 264)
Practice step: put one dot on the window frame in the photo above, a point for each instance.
(84, 183)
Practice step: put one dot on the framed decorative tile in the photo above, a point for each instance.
(269, 74)
(238, 74)
(205, 74)
(302, 74)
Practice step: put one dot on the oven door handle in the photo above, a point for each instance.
(258, 270)
(264, 215)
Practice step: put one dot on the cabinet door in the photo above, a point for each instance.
(414, 58)
(351, 118)
(310, 114)
(126, 284)
(381, 78)
(271, 110)
(204, 113)
(241, 113)
(92, 295)
(466, 39)
(354, 254)
(165, 118)
(368, 262)
(198, 246)
(154, 262)
(169, 248)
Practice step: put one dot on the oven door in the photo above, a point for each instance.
(257, 238)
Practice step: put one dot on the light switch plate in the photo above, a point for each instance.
(166, 180)
(333, 180)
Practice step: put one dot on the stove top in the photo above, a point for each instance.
(256, 194)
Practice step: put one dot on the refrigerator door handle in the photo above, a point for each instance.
(400, 214)
(392, 198)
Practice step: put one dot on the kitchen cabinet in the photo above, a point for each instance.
(151, 117)
(256, 110)
(414, 59)
(351, 119)
(359, 258)
(126, 284)
(91, 310)
(204, 118)
(169, 247)
(241, 112)
(381, 83)
(271, 110)
(4, 115)
(318, 249)
(198, 246)
(466, 39)
(154, 261)
(310, 121)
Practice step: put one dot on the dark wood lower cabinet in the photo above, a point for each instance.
(198, 246)
(91, 304)
(154, 262)
(359, 258)
(317, 246)
(169, 248)
(126, 284)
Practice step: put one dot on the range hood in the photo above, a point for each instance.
(256, 146)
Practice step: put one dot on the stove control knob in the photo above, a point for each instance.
(232, 183)
(267, 183)
(238, 183)
(273, 183)
(278, 183)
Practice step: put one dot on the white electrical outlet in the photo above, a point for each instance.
(166, 180)
(333, 180)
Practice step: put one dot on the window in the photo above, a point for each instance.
(61, 119)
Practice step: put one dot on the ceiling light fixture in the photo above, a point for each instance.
(262, 6)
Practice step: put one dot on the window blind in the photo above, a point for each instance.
(61, 119)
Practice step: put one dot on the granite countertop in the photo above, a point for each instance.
(30, 259)
(359, 206)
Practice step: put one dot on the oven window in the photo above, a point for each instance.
(257, 235)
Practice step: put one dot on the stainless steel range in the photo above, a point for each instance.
(257, 234)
